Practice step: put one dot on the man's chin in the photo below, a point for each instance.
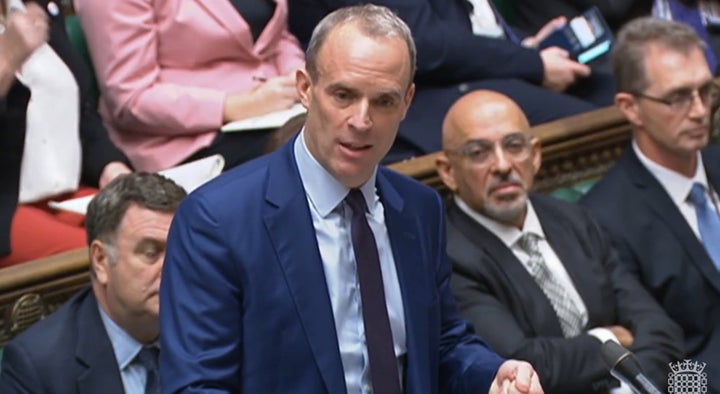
(506, 211)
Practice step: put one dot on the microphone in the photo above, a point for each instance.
(624, 367)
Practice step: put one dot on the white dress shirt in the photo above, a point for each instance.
(678, 186)
(510, 235)
(484, 22)
(332, 220)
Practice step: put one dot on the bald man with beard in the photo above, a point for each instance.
(536, 276)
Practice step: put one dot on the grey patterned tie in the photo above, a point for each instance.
(566, 310)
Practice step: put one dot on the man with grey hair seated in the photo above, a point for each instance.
(660, 200)
(104, 339)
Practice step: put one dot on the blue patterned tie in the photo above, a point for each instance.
(708, 222)
(148, 357)
(378, 335)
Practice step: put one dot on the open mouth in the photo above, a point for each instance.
(355, 147)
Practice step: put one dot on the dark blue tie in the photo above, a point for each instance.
(148, 357)
(378, 336)
(708, 222)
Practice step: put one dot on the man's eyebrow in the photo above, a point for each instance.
(149, 241)
(685, 88)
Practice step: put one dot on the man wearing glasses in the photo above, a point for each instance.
(660, 200)
(536, 276)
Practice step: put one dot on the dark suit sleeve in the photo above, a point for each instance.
(97, 149)
(197, 273)
(658, 339)
(447, 50)
(467, 365)
(18, 372)
(562, 364)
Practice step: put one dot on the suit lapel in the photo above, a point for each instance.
(94, 351)
(652, 192)
(404, 240)
(531, 295)
(712, 167)
(566, 246)
(301, 263)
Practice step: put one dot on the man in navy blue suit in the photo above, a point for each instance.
(464, 47)
(98, 341)
(660, 199)
(313, 270)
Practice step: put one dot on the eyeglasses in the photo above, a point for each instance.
(516, 146)
(681, 100)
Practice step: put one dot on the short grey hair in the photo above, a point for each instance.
(372, 20)
(107, 209)
(632, 44)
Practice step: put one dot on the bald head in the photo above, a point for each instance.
(490, 158)
(479, 113)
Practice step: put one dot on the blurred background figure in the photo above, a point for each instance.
(172, 72)
(52, 146)
(531, 15)
(467, 45)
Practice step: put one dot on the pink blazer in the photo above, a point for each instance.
(165, 66)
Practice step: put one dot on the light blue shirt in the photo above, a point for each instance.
(331, 220)
(126, 348)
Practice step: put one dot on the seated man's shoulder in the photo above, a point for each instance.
(41, 340)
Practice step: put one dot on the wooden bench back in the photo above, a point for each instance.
(574, 149)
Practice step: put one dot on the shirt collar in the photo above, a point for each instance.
(323, 190)
(125, 347)
(676, 185)
(509, 235)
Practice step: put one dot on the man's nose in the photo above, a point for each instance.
(360, 118)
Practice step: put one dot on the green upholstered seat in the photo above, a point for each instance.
(574, 192)
(505, 8)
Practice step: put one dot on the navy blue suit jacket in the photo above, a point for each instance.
(67, 353)
(658, 245)
(244, 301)
(452, 61)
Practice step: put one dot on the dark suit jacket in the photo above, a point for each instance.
(244, 300)
(512, 313)
(658, 245)
(67, 353)
(97, 149)
(531, 15)
(452, 61)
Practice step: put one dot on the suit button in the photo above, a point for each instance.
(463, 88)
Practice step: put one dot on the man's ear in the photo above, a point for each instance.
(445, 170)
(100, 261)
(628, 105)
(537, 155)
(407, 100)
(303, 83)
